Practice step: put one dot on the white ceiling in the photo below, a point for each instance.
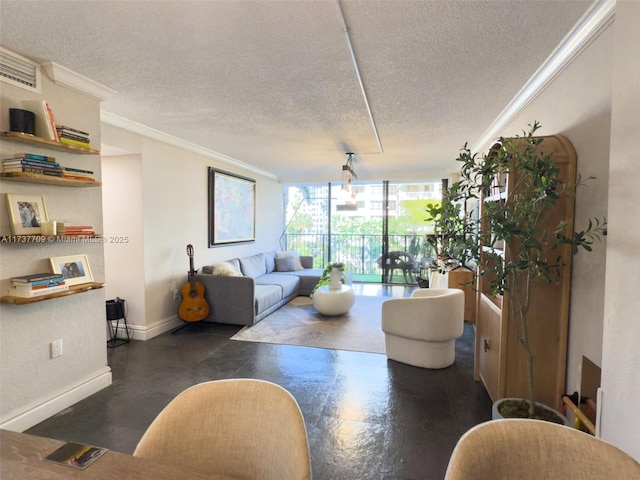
(272, 83)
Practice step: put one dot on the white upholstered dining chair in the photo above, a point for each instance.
(527, 449)
(240, 428)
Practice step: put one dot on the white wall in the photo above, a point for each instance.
(32, 385)
(621, 354)
(577, 104)
(174, 195)
(123, 234)
(605, 303)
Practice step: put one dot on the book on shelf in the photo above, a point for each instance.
(70, 133)
(42, 165)
(31, 287)
(78, 174)
(34, 156)
(25, 161)
(33, 170)
(77, 170)
(44, 127)
(73, 136)
(34, 277)
(68, 229)
(50, 282)
(76, 143)
(52, 122)
(17, 292)
(79, 233)
(72, 130)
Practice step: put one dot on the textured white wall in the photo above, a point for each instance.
(577, 104)
(33, 386)
(123, 231)
(594, 102)
(621, 355)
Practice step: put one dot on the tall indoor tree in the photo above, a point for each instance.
(508, 241)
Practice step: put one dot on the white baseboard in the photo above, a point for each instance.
(147, 332)
(47, 409)
(84, 389)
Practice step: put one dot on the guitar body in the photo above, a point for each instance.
(193, 307)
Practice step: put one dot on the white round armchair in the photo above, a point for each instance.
(422, 330)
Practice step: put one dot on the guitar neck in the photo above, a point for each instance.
(191, 271)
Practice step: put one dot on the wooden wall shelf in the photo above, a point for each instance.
(48, 180)
(73, 290)
(33, 140)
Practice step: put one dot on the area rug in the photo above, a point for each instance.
(298, 323)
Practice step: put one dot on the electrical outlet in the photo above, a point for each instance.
(175, 294)
(56, 349)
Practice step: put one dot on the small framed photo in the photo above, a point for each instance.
(75, 269)
(26, 212)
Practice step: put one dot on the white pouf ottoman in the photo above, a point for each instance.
(333, 302)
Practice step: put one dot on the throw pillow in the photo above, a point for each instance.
(285, 264)
(297, 265)
(225, 269)
(270, 261)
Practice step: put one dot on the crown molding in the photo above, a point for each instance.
(129, 125)
(70, 79)
(595, 20)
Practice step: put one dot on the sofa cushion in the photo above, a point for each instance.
(288, 283)
(253, 266)
(224, 269)
(309, 278)
(235, 263)
(306, 261)
(270, 261)
(267, 296)
(285, 264)
(297, 265)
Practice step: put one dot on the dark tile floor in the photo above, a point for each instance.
(367, 417)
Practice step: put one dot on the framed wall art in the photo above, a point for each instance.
(232, 208)
(26, 213)
(74, 268)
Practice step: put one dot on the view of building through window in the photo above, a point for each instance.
(318, 224)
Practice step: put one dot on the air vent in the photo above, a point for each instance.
(19, 71)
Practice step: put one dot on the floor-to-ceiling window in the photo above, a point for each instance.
(380, 234)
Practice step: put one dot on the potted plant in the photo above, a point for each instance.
(333, 270)
(512, 246)
(449, 229)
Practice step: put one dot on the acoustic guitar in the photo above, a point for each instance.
(193, 307)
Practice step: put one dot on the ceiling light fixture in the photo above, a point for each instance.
(348, 189)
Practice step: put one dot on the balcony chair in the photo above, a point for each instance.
(422, 330)
(240, 428)
(529, 449)
(403, 261)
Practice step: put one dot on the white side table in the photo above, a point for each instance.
(333, 302)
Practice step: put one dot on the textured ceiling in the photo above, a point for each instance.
(272, 83)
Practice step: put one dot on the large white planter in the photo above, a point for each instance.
(496, 415)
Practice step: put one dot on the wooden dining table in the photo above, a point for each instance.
(21, 458)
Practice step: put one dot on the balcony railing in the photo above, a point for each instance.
(360, 252)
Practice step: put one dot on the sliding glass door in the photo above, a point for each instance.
(380, 234)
